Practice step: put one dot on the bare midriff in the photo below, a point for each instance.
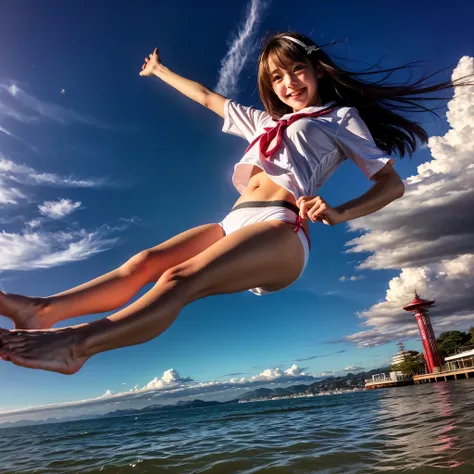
(261, 188)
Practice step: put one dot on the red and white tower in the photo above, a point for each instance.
(419, 306)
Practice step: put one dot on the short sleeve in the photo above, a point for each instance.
(355, 140)
(243, 121)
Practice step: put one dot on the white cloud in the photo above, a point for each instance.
(327, 373)
(352, 368)
(171, 384)
(14, 176)
(4, 130)
(58, 209)
(351, 278)
(10, 134)
(31, 250)
(428, 235)
(240, 50)
(170, 377)
(275, 375)
(35, 223)
(17, 104)
(8, 194)
(23, 174)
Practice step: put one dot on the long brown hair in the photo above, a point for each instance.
(379, 103)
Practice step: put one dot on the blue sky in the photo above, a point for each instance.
(98, 163)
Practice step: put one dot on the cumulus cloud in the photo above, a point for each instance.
(428, 235)
(58, 209)
(171, 385)
(240, 50)
(170, 377)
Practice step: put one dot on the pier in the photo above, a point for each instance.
(444, 376)
(457, 366)
(383, 381)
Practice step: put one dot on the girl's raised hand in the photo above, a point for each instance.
(316, 209)
(151, 62)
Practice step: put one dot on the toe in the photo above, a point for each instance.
(15, 346)
(16, 359)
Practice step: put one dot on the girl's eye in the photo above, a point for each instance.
(275, 78)
(299, 67)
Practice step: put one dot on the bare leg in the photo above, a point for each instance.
(266, 254)
(112, 290)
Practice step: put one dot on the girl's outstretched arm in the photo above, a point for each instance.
(195, 91)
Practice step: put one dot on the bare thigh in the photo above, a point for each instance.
(154, 261)
(265, 254)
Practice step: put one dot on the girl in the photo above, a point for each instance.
(316, 114)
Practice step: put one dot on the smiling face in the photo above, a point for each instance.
(295, 83)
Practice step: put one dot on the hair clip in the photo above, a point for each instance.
(309, 49)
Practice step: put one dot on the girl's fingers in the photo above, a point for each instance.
(300, 200)
(312, 213)
(317, 211)
(304, 207)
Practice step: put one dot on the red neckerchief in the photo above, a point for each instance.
(277, 131)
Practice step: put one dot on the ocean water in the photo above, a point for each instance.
(417, 429)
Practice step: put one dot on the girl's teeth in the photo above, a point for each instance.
(295, 94)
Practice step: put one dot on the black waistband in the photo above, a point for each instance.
(286, 204)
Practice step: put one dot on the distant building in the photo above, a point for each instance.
(395, 378)
(383, 380)
(462, 360)
(398, 358)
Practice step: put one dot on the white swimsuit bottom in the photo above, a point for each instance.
(251, 212)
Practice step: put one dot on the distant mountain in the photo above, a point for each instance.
(297, 388)
(258, 393)
(349, 381)
(329, 384)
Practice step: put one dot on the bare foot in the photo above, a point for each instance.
(55, 350)
(25, 312)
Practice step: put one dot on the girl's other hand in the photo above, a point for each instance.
(150, 64)
(316, 209)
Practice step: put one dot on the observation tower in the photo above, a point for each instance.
(420, 307)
